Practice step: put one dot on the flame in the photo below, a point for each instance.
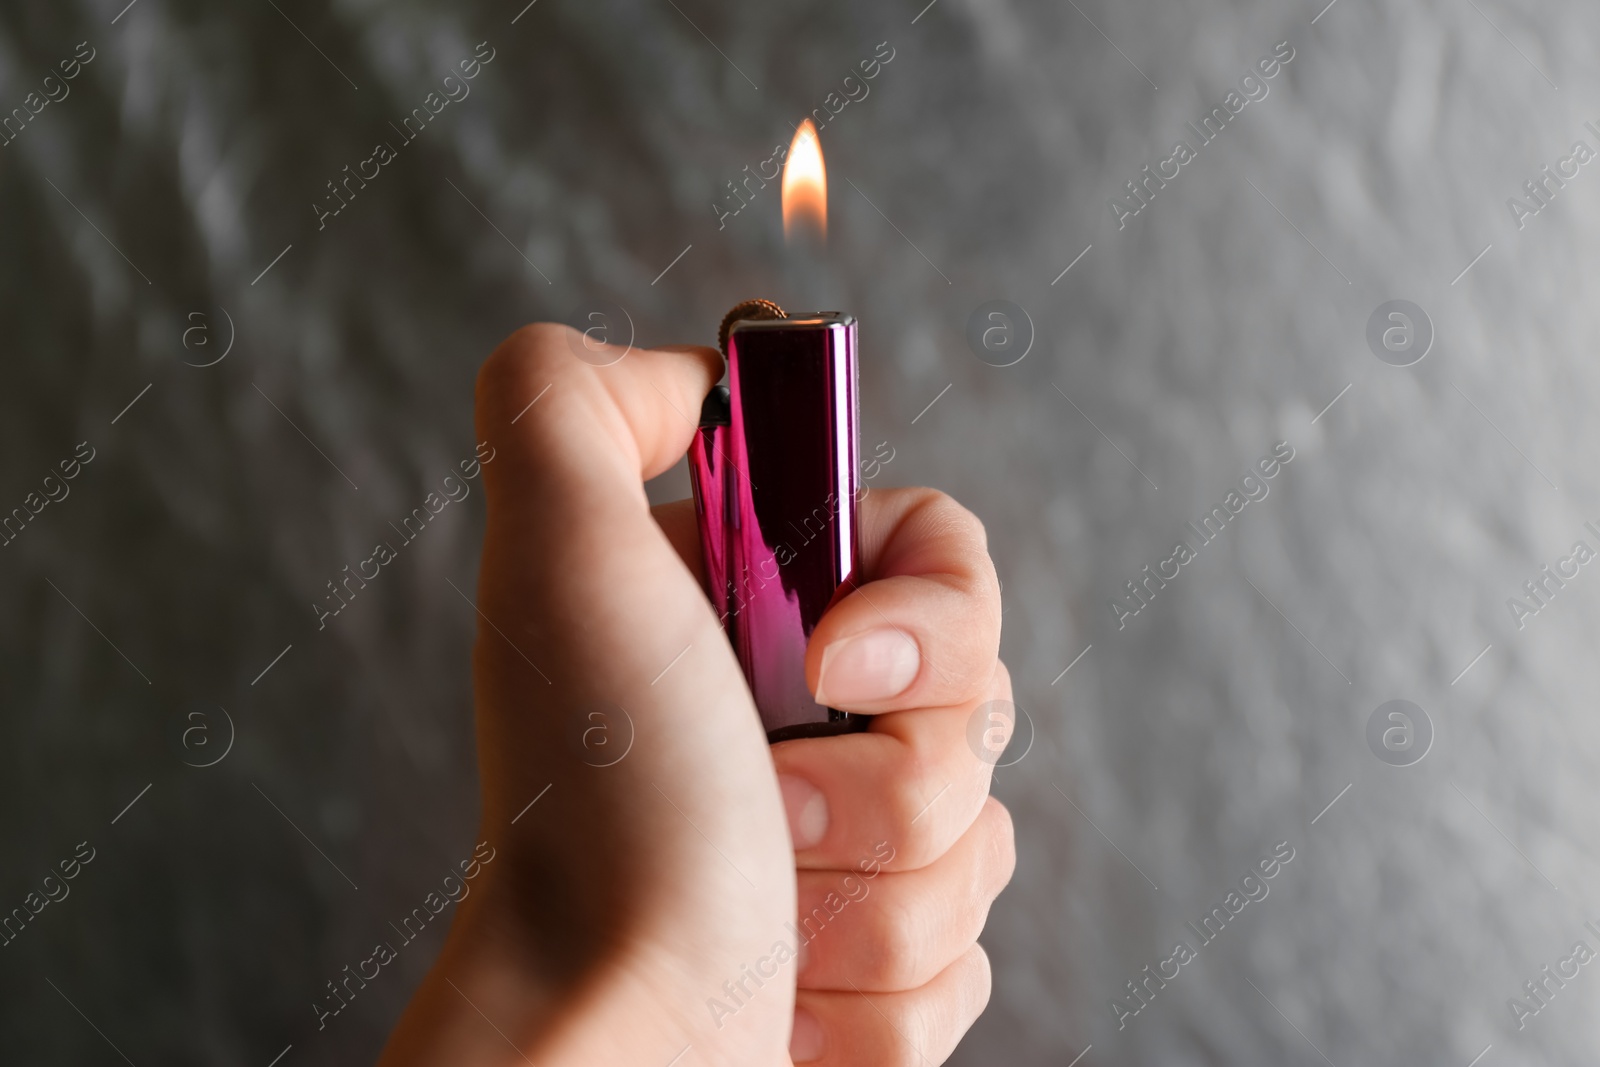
(805, 185)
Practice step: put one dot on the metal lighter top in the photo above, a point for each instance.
(774, 468)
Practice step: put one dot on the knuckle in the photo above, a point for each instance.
(973, 526)
(977, 983)
(914, 1022)
(530, 352)
(942, 1011)
(914, 799)
(1000, 848)
(996, 717)
(903, 1041)
(946, 518)
(895, 944)
(931, 1020)
(946, 514)
(1001, 687)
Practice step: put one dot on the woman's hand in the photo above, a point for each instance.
(678, 880)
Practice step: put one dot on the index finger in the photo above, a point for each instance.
(924, 630)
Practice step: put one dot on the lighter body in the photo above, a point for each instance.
(774, 467)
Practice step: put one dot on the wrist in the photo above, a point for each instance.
(483, 1001)
(512, 988)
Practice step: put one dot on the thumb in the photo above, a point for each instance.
(559, 404)
(570, 546)
(576, 430)
(662, 865)
(583, 597)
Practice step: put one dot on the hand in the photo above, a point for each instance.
(633, 896)
(896, 976)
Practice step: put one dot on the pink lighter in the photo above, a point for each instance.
(774, 468)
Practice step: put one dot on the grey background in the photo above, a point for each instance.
(1221, 721)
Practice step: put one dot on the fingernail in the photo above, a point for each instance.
(805, 1040)
(807, 809)
(876, 665)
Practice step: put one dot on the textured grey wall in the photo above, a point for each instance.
(1179, 750)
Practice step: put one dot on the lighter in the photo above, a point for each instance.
(774, 469)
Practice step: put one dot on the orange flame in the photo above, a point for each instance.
(805, 185)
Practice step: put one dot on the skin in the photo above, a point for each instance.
(616, 908)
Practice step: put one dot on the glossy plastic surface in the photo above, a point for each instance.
(775, 493)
